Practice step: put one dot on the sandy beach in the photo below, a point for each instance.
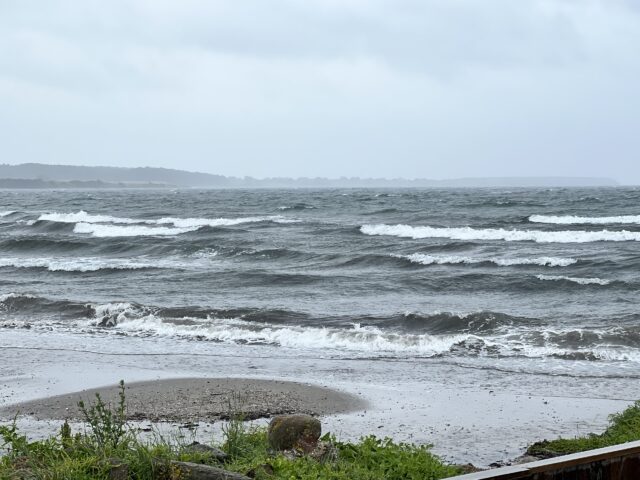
(469, 415)
(197, 400)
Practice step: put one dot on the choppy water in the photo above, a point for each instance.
(531, 280)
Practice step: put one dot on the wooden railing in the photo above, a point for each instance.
(620, 462)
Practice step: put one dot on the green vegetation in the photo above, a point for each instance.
(623, 427)
(110, 441)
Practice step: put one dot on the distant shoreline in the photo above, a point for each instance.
(26, 184)
(38, 175)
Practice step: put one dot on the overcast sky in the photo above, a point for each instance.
(396, 88)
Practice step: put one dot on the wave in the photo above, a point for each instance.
(511, 340)
(99, 230)
(297, 206)
(193, 223)
(217, 222)
(125, 318)
(85, 217)
(27, 304)
(75, 264)
(575, 220)
(468, 233)
(578, 280)
(481, 334)
(424, 259)
(6, 213)
(21, 243)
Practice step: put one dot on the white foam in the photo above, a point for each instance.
(185, 223)
(355, 339)
(212, 222)
(7, 213)
(116, 312)
(468, 233)
(85, 217)
(68, 264)
(100, 230)
(503, 262)
(7, 296)
(574, 220)
(579, 280)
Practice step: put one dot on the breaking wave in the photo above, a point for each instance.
(75, 264)
(161, 226)
(578, 280)
(576, 220)
(481, 334)
(100, 230)
(468, 233)
(424, 259)
(502, 339)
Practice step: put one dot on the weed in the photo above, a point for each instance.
(108, 427)
(90, 455)
(623, 427)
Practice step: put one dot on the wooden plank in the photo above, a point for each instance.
(630, 449)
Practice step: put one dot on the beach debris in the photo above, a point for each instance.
(294, 432)
(213, 452)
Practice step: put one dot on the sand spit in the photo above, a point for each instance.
(198, 399)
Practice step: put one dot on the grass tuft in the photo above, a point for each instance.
(623, 427)
(109, 440)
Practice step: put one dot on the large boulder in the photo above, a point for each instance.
(294, 432)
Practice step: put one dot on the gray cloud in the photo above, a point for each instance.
(322, 87)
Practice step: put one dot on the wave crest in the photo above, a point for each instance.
(425, 259)
(578, 280)
(110, 226)
(577, 220)
(468, 233)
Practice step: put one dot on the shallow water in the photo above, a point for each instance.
(502, 278)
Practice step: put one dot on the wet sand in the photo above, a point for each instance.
(197, 400)
(471, 415)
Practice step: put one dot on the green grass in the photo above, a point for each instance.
(88, 455)
(623, 427)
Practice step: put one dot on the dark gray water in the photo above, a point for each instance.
(525, 280)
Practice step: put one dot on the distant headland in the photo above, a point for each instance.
(39, 175)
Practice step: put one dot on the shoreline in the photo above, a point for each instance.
(469, 415)
(197, 400)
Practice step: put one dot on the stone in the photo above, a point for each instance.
(294, 432)
(195, 471)
(212, 452)
(118, 470)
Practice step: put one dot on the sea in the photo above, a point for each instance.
(502, 288)
(525, 279)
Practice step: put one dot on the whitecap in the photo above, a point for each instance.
(468, 233)
(70, 264)
(193, 223)
(576, 220)
(578, 280)
(127, 318)
(85, 217)
(503, 262)
(100, 230)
